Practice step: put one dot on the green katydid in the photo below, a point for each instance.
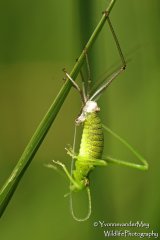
(92, 142)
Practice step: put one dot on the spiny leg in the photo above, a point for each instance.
(89, 79)
(106, 84)
(116, 40)
(127, 164)
(71, 152)
(144, 165)
(86, 85)
(75, 85)
(66, 172)
(104, 162)
(99, 162)
(120, 70)
(83, 85)
(92, 161)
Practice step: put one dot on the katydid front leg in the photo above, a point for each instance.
(67, 173)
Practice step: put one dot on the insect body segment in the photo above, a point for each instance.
(92, 138)
(91, 147)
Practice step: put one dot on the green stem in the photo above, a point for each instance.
(12, 182)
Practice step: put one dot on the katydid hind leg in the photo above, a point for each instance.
(127, 164)
(116, 42)
(109, 80)
(143, 166)
(94, 162)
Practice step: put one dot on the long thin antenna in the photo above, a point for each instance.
(88, 189)
(89, 207)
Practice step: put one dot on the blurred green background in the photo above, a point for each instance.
(38, 39)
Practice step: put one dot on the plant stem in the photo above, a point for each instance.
(12, 182)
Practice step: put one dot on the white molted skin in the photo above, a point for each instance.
(90, 107)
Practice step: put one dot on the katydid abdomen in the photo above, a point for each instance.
(91, 149)
(92, 137)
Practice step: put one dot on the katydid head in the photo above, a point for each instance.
(89, 107)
